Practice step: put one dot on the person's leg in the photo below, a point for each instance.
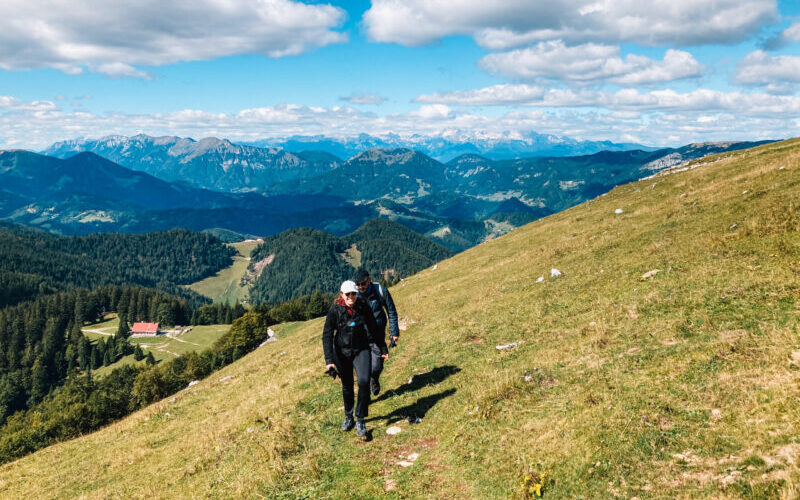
(377, 368)
(344, 365)
(362, 364)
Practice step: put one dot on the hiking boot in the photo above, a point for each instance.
(348, 424)
(361, 429)
(375, 386)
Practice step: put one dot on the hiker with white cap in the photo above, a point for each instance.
(349, 330)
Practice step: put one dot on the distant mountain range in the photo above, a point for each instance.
(445, 149)
(146, 183)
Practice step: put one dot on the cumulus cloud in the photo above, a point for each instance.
(114, 37)
(779, 74)
(503, 25)
(657, 117)
(789, 35)
(590, 63)
(488, 96)
(364, 98)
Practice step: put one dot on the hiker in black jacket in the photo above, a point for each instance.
(349, 330)
(379, 299)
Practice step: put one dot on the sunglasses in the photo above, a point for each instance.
(351, 293)
(362, 283)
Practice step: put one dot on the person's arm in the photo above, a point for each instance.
(327, 335)
(391, 312)
(378, 337)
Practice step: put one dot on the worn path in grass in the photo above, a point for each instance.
(681, 384)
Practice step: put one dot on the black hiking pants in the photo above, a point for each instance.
(377, 361)
(360, 361)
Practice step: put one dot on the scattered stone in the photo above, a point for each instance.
(390, 485)
(270, 332)
(716, 414)
(411, 379)
(527, 378)
(193, 382)
(592, 323)
(172, 400)
(682, 195)
(745, 191)
(508, 347)
(404, 463)
(269, 339)
(540, 279)
(650, 274)
(732, 227)
(618, 211)
(435, 267)
(393, 430)
(555, 273)
(249, 430)
(167, 414)
(782, 168)
(413, 457)
(226, 378)
(283, 353)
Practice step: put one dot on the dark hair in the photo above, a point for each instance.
(360, 275)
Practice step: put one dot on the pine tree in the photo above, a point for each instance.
(138, 355)
(123, 330)
(84, 353)
(150, 360)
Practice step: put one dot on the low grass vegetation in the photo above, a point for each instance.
(664, 362)
(224, 287)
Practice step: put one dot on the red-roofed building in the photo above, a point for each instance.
(144, 330)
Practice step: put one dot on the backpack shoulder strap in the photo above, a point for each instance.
(381, 292)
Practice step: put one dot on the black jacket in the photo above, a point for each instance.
(379, 299)
(350, 330)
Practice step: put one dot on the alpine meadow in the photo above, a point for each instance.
(461, 249)
(662, 362)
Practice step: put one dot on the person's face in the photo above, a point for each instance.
(350, 298)
(364, 284)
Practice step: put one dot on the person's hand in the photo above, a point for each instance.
(392, 337)
(328, 367)
(385, 356)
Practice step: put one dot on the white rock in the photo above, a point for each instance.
(618, 211)
(393, 430)
(228, 377)
(403, 463)
(412, 457)
(193, 382)
(507, 347)
(682, 195)
(540, 279)
(555, 273)
(745, 191)
(411, 379)
(732, 227)
(650, 274)
(270, 332)
(435, 266)
(716, 414)
(249, 430)
(172, 400)
(527, 378)
(782, 168)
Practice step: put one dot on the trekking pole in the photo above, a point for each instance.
(332, 373)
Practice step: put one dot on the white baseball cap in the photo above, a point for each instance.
(348, 286)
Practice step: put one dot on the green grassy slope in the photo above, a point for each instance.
(225, 287)
(680, 385)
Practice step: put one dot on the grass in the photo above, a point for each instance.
(352, 256)
(224, 286)
(681, 385)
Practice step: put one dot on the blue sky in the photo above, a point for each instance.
(664, 72)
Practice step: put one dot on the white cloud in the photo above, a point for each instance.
(789, 35)
(590, 63)
(778, 74)
(114, 37)
(502, 25)
(657, 117)
(488, 96)
(364, 98)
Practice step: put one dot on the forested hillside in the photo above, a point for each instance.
(303, 261)
(33, 263)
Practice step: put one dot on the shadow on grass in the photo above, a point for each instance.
(417, 382)
(416, 410)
